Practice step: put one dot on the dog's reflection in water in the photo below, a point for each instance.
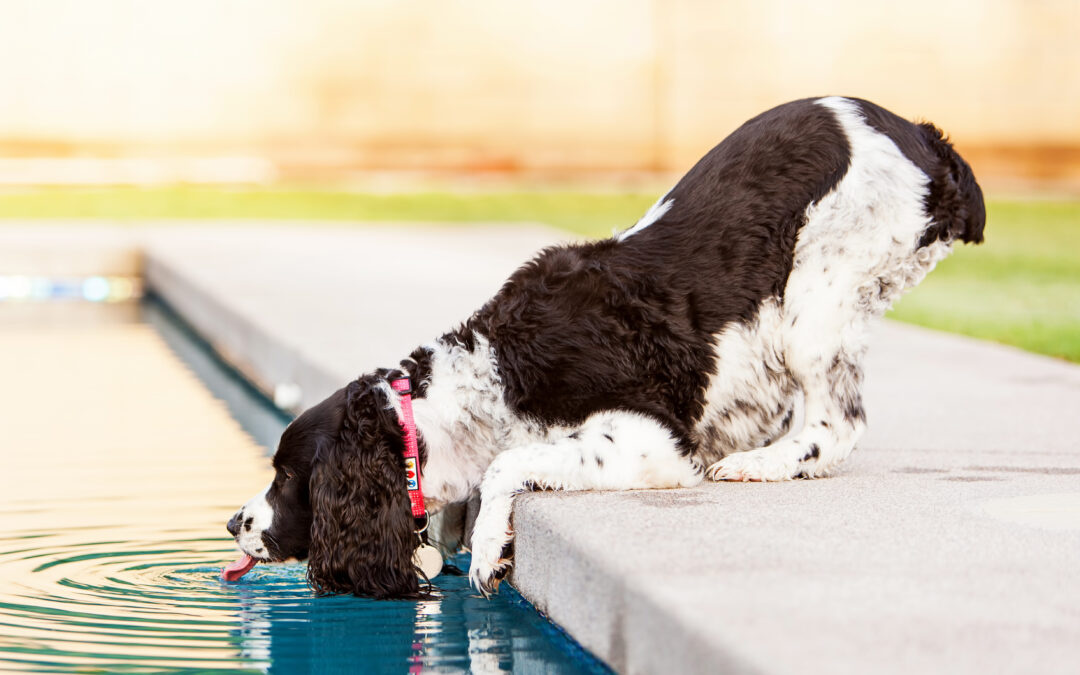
(286, 629)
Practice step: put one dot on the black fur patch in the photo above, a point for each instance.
(418, 367)
(305, 437)
(629, 324)
(814, 453)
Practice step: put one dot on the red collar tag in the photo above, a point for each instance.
(412, 448)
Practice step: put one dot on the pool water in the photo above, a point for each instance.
(126, 448)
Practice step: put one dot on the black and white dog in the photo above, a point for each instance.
(672, 352)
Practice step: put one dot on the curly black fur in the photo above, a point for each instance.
(955, 201)
(362, 537)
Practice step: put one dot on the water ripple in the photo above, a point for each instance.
(127, 606)
(112, 537)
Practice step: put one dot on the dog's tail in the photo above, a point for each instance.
(955, 202)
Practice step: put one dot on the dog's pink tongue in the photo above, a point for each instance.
(239, 568)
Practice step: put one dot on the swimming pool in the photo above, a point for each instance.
(127, 447)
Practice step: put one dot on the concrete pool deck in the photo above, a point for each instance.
(948, 543)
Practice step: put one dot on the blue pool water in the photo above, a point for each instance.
(111, 562)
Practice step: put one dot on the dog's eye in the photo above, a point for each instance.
(288, 475)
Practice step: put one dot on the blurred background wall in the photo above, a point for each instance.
(318, 88)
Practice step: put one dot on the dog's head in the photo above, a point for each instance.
(338, 497)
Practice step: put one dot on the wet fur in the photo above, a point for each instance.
(362, 527)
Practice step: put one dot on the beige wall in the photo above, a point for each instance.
(507, 83)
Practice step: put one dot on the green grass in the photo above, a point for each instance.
(586, 213)
(1022, 287)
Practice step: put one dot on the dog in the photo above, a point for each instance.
(670, 353)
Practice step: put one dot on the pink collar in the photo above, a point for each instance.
(412, 448)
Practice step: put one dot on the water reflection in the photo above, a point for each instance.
(287, 628)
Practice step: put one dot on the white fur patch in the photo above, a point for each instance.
(752, 392)
(611, 450)
(655, 213)
(261, 515)
(464, 421)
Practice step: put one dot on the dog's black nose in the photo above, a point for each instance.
(234, 524)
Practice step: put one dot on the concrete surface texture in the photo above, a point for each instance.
(69, 249)
(949, 542)
(304, 310)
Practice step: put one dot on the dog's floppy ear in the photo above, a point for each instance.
(362, 537)
(955, 201)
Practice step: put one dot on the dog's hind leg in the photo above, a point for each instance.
(834, 422)
(823, 337)
(612, 450)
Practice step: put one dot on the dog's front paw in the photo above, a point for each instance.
(485, 575)
(490, 548)
(771, 463)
